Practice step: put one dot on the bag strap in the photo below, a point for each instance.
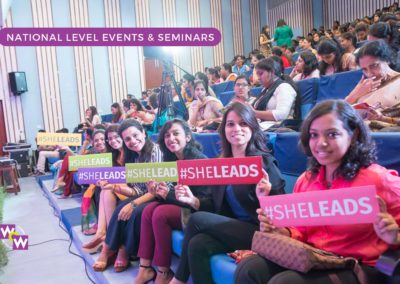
(360, 274)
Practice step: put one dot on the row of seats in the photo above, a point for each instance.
(312, 91)
(284, 145)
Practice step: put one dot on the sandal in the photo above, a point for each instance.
(91, 231)
(137, 281)
(101, 265)
(94, 245)
(166, 276)
(58, 187)
(122, 262)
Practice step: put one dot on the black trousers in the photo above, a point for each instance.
(256, 269)
(125, 233)
(208, 234)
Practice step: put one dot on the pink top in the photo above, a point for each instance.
(359, 241)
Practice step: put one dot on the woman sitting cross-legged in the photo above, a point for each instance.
(342, 155)
(234, 220)
(123, 232)
(108, 195)
(161, 217)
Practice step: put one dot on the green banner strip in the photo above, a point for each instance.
(143, 172)
(90, 161)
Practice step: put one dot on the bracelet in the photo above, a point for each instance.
(133, 204)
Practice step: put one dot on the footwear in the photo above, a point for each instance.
(91, 231)
(164, 276)
(100, 265)
(38, 173)
(59, 192)
(94, 245)
(58, 187)
(64, 196)
(137, 281)
(122, 262)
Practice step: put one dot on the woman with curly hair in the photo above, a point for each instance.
(342, 155)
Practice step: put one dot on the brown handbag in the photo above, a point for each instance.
(295, 255)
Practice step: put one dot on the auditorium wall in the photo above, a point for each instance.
(64, 81)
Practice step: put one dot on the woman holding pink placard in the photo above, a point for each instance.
(342, 154)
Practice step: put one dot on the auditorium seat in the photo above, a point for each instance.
(288, 70)
(106, 118)
(223, 87)
(223, 269)
(337, 86)
(308, 90)
(226, 97)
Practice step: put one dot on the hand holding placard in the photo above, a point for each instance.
(341, 206)
(385, 226)
(185, 195)
(263, 187)
(162, 190)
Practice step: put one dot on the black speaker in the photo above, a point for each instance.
(18, 82)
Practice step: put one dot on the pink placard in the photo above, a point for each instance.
(355, 205)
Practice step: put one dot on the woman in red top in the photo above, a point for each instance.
(342, 154)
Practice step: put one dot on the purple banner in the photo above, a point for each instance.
(110, 36)
(92, 175)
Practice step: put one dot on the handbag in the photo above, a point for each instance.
(296, 255)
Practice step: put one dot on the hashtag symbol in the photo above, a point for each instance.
(269, 211)
(81, 176)
(183, 173)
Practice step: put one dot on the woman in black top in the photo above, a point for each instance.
(235, 220)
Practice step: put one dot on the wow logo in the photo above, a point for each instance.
(13, 237)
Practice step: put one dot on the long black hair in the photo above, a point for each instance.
(145, 153)
(191, 146)
(361, 152)
(328, 46)
(310, 62)
(257, 144)
(114, 152)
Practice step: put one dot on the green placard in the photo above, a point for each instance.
(90, 161)
(143, 172)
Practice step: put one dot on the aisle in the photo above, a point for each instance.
(46, 263)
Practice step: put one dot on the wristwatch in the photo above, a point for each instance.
(133, 204)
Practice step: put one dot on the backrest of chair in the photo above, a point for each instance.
(338, 86)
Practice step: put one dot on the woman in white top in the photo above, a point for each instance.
(277, 98)
(92, 117)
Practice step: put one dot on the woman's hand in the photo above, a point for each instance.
(162, 190)
(385, 226)
(263, 187)
(364, 86)
(185, 195)
(126, 212)
(267, 226)
(151, 187)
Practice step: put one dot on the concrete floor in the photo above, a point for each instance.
(45, 263)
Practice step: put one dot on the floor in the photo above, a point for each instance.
(33, 210)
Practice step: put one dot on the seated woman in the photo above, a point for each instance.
(379, 85)
(239, 67)
(117, 112)
(234, 222)
(65, 178)
(241, 89)
(205, 109)
(276, 100)
(332, 59)
(92, 117)
(109, 193)
(123, 232)
(306, 67)
(161, 217)
(342, 154)
(138, 112)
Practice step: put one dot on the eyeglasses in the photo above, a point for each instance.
(241, 85)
